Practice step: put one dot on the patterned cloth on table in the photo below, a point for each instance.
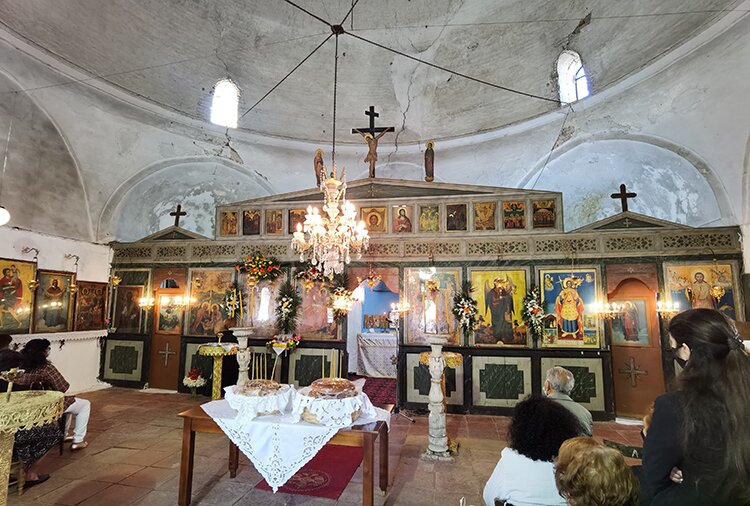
(276, 446)
(32, 444)
(375, 355)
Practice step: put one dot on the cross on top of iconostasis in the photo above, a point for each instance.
(624, 195)
(177, 213)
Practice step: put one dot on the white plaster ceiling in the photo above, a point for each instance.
(172, 53)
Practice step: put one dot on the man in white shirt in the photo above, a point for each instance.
(557, 386)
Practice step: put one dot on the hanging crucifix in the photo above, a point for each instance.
(624, 195)
(177, 213)
(372, 135)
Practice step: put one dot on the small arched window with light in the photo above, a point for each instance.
(225, 104)
(572, 78)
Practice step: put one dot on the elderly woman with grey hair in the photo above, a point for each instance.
(558, 386)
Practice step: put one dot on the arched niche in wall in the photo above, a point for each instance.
(141, 205)
(42, 186)
(671, 184)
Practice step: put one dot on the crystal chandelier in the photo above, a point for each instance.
(329, 239)
(372, 280)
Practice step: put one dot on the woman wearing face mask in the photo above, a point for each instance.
(697, 449)
(40, 373)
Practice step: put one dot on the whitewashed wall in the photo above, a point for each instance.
(78, 358)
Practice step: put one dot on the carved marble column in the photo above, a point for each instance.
(437, 447)
(244, 355)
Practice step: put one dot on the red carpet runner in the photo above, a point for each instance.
(326, 475)
(380, 390)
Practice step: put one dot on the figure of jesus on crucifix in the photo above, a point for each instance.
(372, 151)
(372, 135)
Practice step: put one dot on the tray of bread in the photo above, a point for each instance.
(331, 401)
(259, 397)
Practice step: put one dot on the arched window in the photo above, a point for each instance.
(225, 103)
(572, 78)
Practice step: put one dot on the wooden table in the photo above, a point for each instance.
(196, 420)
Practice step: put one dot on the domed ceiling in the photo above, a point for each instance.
(171, 53)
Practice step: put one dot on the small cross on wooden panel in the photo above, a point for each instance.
(633, 371)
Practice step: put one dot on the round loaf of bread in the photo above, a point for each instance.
(258, 388)
(332, 388)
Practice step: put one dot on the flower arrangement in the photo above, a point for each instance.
(533, 315)
(109, 325)
(341, 301)
(308, 274)
(258, 267)
(194, 379)
(284, 342)
(465, 308)
(287, 308)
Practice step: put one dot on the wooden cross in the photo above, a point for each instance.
(624, 195)
(372, 129)
(166, 352)
(177, 213)
(633, 371)
(372, 135)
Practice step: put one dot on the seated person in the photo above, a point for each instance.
(40, 373)
(525, 474)
(588, 473)
(30, 445)
(696, 450)
(557, 386)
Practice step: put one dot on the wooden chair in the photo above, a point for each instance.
(63, 422)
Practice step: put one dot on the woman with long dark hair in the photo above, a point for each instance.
(697, 450)
(40, 373)
(525, 474)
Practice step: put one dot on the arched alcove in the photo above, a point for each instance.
(141, 206)
(669, 186)
(41, 187)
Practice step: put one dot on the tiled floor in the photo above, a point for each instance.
(134, 458)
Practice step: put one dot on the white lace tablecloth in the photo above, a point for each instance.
(277, 446)
(375, 354)
(249, 407)
(332, 412)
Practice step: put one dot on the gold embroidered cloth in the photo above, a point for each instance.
(29, 409)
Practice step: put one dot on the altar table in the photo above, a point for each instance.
(197, 420)
(376, 353)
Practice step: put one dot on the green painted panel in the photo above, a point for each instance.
(501, 381)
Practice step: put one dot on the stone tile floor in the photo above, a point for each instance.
(133, 457)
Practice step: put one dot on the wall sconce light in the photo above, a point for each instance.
(667, 309)
(33, 283)
(146, 303)
(608, 310)
(73, 288)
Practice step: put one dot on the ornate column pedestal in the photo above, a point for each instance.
(244, 354)
(218, 351)
(437, 437)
